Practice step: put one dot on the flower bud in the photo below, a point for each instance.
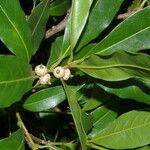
(45, 79)
(67, 74)
(59, 72)
(41, 70)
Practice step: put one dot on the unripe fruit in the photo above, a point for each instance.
(41, 70)
(67, 74)
(45, 79)
(59, 72)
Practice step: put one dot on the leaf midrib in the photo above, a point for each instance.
(26, 50)
(39, 18)
(17, 80)
(102, 117)
(110, 66)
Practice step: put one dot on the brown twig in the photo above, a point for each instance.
(39, 141)
(57, 28)
(126, 15)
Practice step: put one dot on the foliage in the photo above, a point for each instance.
(101, 99)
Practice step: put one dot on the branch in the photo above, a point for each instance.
(57, 28)
(126, 15)
(36, 143)
(39, 141)
(28, 138)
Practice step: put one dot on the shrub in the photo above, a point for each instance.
(86, 87)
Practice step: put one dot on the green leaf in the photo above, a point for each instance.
(15, 79)
(14, 142)
(83, 52)
(144, 148)
(55, 51)
(37, 22)
(130, 92)
(59, 7)
(66, 40)
(87, 121)
(79, 15)
(47, 98)
(103, 116)
(14, 30)
(131, 35)
(116, 67)
(95, 97)
(64, 45)
(100, 17)
(130, 130)
(77, 115)
(74, 26)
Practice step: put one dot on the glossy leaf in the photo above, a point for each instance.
(103, 116)
(131, 35)
(84, 51)
(86, 120)
(129, 92)
(79, 15)
(14, 30)
(37, 22)
(116, 67)
(100, 17)
(95, 97)
(64, 46)
(130, 130)
(55, 51)
(15, 79)
(46, 98)
(59, 7)
(66, 40)
(15, 141)
(77, 115)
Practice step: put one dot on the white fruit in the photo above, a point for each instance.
(59, 72)
(45, 79)
(41, 70)
(67, 74)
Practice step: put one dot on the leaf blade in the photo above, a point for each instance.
(59, 7)
(116, 67)
(13, 84)
(37, 22)
(132, 32)
(97, 23)
(46, 98)
(14, 22)
(78, 21)
(77, 115)
(15, 141)
(130, 35)
(134, 125)
(130, 92)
